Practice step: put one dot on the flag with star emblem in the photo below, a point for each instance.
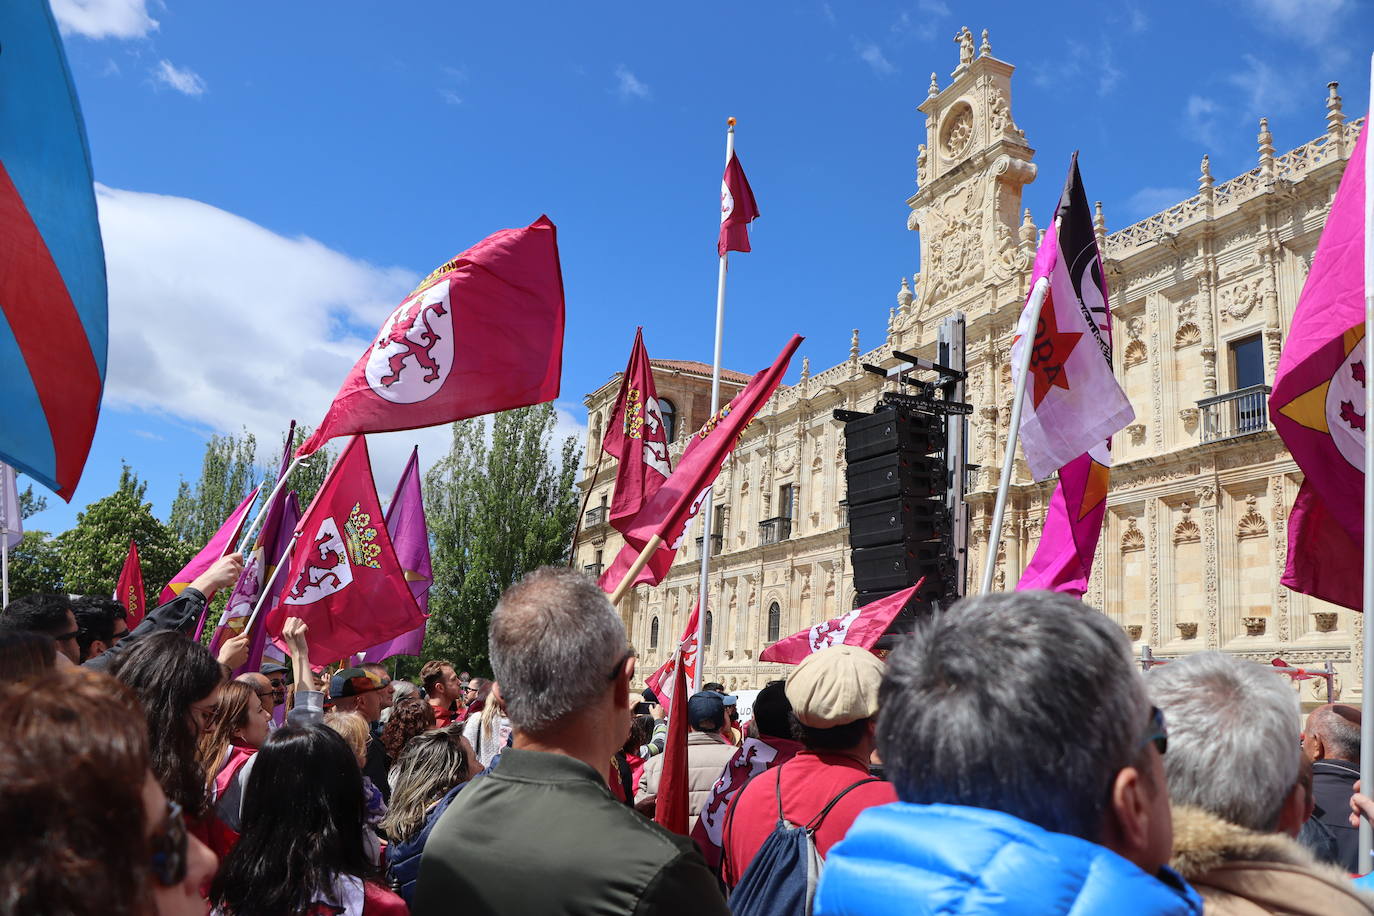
(1073, 402)
(1318, 402)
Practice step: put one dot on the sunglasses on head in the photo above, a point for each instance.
(169, 848)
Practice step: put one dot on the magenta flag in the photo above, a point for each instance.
(1063, 560)
(222, 543)
(737, 208)
(266, 558)
(664, 680)
(679, 499)
(860, 627)
(1318, 402)
(405, 522)
(636, 438)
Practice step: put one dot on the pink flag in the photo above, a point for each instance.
(860, 627)
(405, 522)
(663, 681)
(482, 333)
(1318, 402)
(1072, 400)
(737, 208)
(223, 542)
(129, 588)
(678, 501)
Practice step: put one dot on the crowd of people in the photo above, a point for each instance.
(1006, 757)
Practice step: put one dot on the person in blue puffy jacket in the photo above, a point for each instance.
(1028, 766)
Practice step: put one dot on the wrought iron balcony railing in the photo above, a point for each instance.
(593, 570)
(595, 516)
(716, 541)
(775, 530)
(1236, 413)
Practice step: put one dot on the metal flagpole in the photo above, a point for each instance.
(708, 507)
(1037, 300)
(1367, 707)
(267, 586)
(5, 565)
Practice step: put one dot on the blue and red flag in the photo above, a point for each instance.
(53, 325)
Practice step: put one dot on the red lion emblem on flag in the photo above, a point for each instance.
(413, 351)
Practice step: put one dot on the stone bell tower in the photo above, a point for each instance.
(970, 170)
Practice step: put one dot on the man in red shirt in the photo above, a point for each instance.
(442, 687)
(834, 697)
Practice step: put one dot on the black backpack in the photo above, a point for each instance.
(781, 879)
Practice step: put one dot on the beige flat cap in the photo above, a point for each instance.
(835, 686)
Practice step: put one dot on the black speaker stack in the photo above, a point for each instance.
(899, 520)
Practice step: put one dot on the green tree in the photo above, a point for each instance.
(308, 476)
(93, 550)
(31, 503)
(35, 565)
(227, 472)
(499, 504)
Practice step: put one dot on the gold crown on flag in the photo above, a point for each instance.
(634, 414)
(359, 535)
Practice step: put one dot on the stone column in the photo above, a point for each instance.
(1211, 553)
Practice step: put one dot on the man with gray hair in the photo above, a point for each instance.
(541, 833)
(1028, 764)
(1331, 741)
(1234, 768)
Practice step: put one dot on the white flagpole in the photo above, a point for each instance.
(257, 519)
(1037, 300)
(267, 586)
(707, 509)
(1367, 702)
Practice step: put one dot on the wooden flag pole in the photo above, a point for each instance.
(1037, 301)
(1367, 702)
(257, 520)
(640, 562)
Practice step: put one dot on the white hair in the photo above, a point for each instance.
(1233, 736)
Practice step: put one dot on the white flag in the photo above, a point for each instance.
(11, 522)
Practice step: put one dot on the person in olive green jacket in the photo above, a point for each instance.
(541, 833)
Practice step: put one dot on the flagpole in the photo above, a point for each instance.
(4, 567)
(708, 507)
(257, 520)
(627, 581)
(1366, 704)
(577, 528)
(1037, 300)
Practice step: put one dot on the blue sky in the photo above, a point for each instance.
(273, 176)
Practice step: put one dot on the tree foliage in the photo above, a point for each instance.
(308, 476)
(227, 472)
(93, 550)
(499, 504)
(35, 565)
(31, 503)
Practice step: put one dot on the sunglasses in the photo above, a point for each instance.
(620, 665)
(169, 848)
(63, 637)
(1157, 733)
(277, 684)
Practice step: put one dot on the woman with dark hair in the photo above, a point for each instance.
(410, 716)
(177, 683)
(93, 833)
(24, 653)
(238, 729)
(433, 767)
(301, 849)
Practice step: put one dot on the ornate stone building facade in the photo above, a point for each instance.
(1195, 537)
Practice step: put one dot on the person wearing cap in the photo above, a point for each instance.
(279, 676)
(708, 753)
(1018, 734)
(361, 691)
(834, 697)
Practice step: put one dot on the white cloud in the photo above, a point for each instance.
(628, 86)
(1149, 201)
(182, 79)
(933, 7)
(1265, 90)
(186, 277)
(1083, 62)
(1136, 20)
(1309, 21)
(451, 97)
(1200, 119)
(871, 54)
(103, 18)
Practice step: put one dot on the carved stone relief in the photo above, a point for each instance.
(1187, 335)
(1132, 538)
(1239, 300)
(1252, 524)
(957, 134)
(1186, 531)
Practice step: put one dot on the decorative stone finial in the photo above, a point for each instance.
(1099, 221)
(891, 319)
(904, 297)
(1266, 147)
(806, 368)
(1335, 117)
(934, 89)
(1027, 228)
(854, 346)
(985, 50)
(1204, 181)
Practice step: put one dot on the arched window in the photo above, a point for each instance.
(774, 622)
(653, 633)
(709, 621)
(668, 411)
